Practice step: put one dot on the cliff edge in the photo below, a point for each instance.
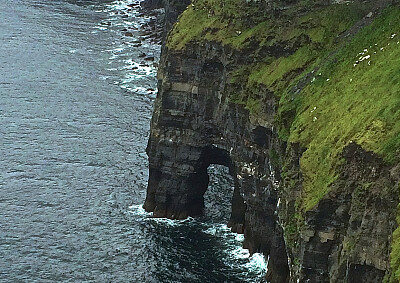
(301, 101)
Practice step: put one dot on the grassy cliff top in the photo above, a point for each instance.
(240, 23)
(355, 97)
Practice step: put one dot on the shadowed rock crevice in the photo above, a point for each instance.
(361, 273)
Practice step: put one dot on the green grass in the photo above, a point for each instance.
(213, 20)
(239, 24)
(276, 75)
(351, 103)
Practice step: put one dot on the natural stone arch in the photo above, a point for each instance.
(175, 194)
(214, 155)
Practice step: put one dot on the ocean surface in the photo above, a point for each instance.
(76, 98)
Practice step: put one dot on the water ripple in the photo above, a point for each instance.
(76, 98)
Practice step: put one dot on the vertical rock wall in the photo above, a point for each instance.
(346, 238)
(194, 125)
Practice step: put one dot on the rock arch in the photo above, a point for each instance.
(180, 194)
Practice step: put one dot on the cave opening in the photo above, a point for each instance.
(217, 189)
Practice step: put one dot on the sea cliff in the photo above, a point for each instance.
(301, 101)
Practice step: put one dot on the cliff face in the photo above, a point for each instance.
(194, 125)
(347, 236)
(236, 95)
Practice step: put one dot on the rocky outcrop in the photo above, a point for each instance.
(172, 10)
(346, 237)
(194, 125)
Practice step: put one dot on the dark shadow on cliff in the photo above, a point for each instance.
(215, 156)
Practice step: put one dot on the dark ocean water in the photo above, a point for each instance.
(75, 108)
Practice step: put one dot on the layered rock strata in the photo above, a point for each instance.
(194, 125)
(346, 237)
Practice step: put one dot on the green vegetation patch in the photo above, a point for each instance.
(309, 39)
(230, 22)
(241, 23)
(276, 75)
(355, 98)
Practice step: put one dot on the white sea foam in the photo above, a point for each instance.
(103, 78)
(241, 253)
(257, 263)
(118, 49)
(217, 229)
(114, 56)
(138, 90)
(137, 209)
(100, 27)
(239, 237)
(170, 222)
